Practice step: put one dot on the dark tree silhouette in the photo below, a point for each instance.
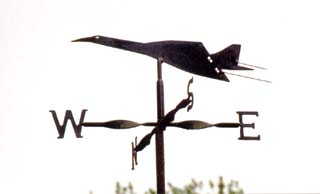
(194, 187)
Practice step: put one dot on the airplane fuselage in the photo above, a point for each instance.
(185, 55)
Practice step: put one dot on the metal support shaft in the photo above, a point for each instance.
(159, 133)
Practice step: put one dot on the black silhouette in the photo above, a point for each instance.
(185, 55)
(163, 123)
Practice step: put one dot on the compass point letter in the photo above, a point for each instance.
(243, 125)
(68, 116)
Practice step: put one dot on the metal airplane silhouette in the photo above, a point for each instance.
(185, 55)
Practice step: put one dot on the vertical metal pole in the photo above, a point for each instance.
(159, 133)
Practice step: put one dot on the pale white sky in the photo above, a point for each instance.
(41, 70)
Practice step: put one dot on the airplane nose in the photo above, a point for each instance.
(87, 39)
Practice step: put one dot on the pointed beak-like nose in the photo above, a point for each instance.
(87, 39)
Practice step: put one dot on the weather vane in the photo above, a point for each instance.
(187, 56)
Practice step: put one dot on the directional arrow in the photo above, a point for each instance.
(189, 124)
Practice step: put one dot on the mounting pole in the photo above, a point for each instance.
(159, 133)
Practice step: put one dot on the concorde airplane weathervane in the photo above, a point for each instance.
(185, 55)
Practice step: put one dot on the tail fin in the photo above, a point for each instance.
(228, 58)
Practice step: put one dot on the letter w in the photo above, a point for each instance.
(68, 116)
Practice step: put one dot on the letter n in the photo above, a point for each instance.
(68, 116)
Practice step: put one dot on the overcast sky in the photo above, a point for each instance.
(41, 70)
